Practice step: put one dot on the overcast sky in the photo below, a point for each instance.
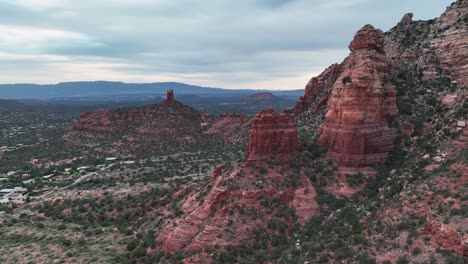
(270, 44)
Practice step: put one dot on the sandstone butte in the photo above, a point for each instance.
(437, 46)
(272, 133)
(355, 130)
(320, 85)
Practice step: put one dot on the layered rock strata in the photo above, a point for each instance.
(355, 129)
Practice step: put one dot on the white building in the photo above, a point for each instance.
(29, 181)
(111, 159)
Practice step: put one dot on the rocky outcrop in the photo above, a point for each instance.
(449, 40)
(170, 95)
(355, 129)
(449, 100)
(318, 89)
(186, 231)
(368, 39)
(272, 133)
(447, 238)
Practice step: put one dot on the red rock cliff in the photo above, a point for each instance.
(272, 133)
(233, 128)
(217, 221)
(355, 129)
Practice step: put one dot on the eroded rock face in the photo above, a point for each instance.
(449, 40)
(437, 47)
(272, 133)
(368, 38)
(319, 86)
(447, 238)
(355, 129)
(221, 219)
(96, 121)
(304, 202)
(184, 232)
(408, 17)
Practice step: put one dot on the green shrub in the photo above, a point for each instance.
(402, 260)
(67, 242)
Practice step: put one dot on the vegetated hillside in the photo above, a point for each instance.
(292, 202)
(158, 128)
(9, 104)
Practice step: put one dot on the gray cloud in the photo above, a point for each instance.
(244, 43)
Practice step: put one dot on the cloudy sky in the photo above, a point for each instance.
(271, 44)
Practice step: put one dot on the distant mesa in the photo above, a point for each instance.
(368, 38)
(272, 133)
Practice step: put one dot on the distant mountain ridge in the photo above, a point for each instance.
(105, 88)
